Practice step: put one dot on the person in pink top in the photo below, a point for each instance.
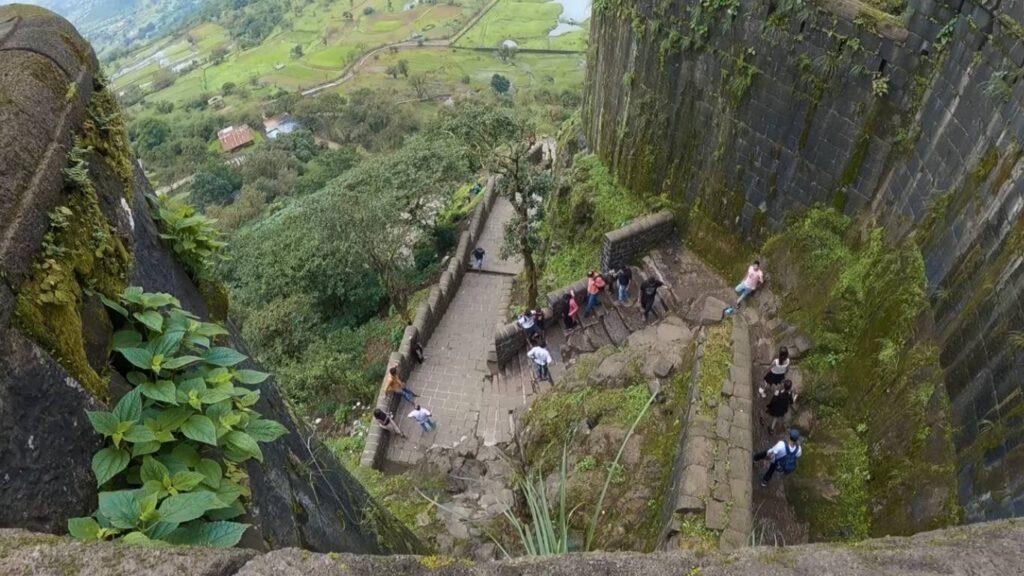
(755, 276)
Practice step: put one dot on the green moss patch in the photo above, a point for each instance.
(80, 252)
(714, 367)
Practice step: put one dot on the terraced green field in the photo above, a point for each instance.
(526, 22)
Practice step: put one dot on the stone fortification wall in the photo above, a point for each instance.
(743, 117)
(428, 316)
(990, 549)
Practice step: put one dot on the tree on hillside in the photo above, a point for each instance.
(214, 183)
(297, 51)
(500, 139)
(148, 132)
(419, 84)
(163, 78)
(500, 84)
(403, 68)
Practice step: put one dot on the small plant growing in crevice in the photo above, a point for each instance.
(1000, 86)
(195, 239)
(175, 443)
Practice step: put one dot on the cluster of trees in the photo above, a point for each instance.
(365, 118)
(248, 21)
(315, 282)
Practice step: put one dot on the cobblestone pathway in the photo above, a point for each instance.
(454, 381)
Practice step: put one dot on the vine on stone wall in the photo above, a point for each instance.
(175, 443)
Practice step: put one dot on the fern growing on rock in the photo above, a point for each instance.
(175, 443)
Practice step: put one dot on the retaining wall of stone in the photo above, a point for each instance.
(711, 472)
(628, 243)
(995, 549)
(620, 247)
(428, 316)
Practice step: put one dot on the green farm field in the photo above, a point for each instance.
(527, 23)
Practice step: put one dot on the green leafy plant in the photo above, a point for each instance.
(175, 442)
(546, 534)
(195, 239)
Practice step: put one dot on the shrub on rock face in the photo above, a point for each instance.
(176, 442)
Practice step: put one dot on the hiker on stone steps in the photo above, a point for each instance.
(755, 276)
(478, 258)
(386, 421)
(780, 403)
(622, 278)
(782, 457)
(595, 283)
(648, 295)
(541, 361)
(570, 308)
(776, 372)
(528, 322)
(396, 386)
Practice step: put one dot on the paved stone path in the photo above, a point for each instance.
(454, 381)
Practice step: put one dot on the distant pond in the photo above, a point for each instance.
(574, 12)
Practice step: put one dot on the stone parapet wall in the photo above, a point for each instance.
(711, 472)
(913, 123)
(627, 244)
(428, 316)
(988, 549)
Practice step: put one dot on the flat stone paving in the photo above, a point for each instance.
(493, 237)
(454, 381)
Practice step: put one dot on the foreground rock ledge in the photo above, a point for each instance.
(992, 548)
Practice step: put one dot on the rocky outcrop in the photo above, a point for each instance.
(743, 113)
(981, 550)
(55, 336)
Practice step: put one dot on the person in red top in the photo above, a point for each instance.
(755, 276)
(595, 283)
(569, 310)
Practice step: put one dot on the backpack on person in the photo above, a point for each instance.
(787, 465)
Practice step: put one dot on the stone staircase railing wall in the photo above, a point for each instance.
(428, 316)
(625, 245)
(620, 247)
(711, 472)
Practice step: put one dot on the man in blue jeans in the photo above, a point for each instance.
(422, 417)
(595, 283)
(623, 278)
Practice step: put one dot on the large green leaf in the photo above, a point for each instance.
(251, 376)
(143, 448)
(84, 529)
(221, 356)
(114, 306)
(138, 539)
(132, 294)
(184, 507)
(161, 391)
(120, 508)
(180, 362)
(210, 330)
(201, 429)
(152, 319)
(129, 407)
(265, 430)
(158, 300)
(170, 419)
(214, 395)
(139, 357)
(152, 470)
(186, 480)
(213, 534)
(167, 344)
(244, 443)
(109, 462)
(211, 472)
(127, 338)
(103, 422)
(139, 433)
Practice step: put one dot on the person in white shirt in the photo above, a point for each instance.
(422, 417)
(541, 359)
(755, 276)
(781, 457)
(776, 372)
(528, 323)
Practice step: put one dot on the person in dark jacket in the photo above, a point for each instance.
(648, 295)
(781, 402)
(623, 278)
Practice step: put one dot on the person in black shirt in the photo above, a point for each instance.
(648, 295)
(623, 278)
(478, 258)
(780, 403)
